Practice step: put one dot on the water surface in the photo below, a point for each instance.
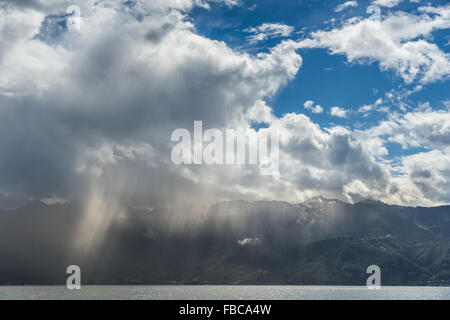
(223, 293)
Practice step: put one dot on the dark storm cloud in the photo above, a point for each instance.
(157, 34)
(123, 84)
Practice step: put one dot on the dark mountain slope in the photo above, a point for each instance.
(317, 242)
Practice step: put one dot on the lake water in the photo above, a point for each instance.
(223, 293)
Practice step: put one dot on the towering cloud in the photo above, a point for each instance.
(87, 112)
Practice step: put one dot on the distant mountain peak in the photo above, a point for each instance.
(372, 202)
(321, 198)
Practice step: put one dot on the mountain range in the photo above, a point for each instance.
(317, 242)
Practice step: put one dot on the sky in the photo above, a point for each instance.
(357, 90)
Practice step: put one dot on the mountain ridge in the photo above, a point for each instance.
(236, 242)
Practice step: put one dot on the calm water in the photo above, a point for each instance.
(223, 292)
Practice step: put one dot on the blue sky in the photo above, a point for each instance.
(328, 80)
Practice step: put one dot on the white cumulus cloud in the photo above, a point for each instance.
(397, 42)
(345, 5)
(309, 105)
(338, 112)
(269, 31)
(387, 3)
